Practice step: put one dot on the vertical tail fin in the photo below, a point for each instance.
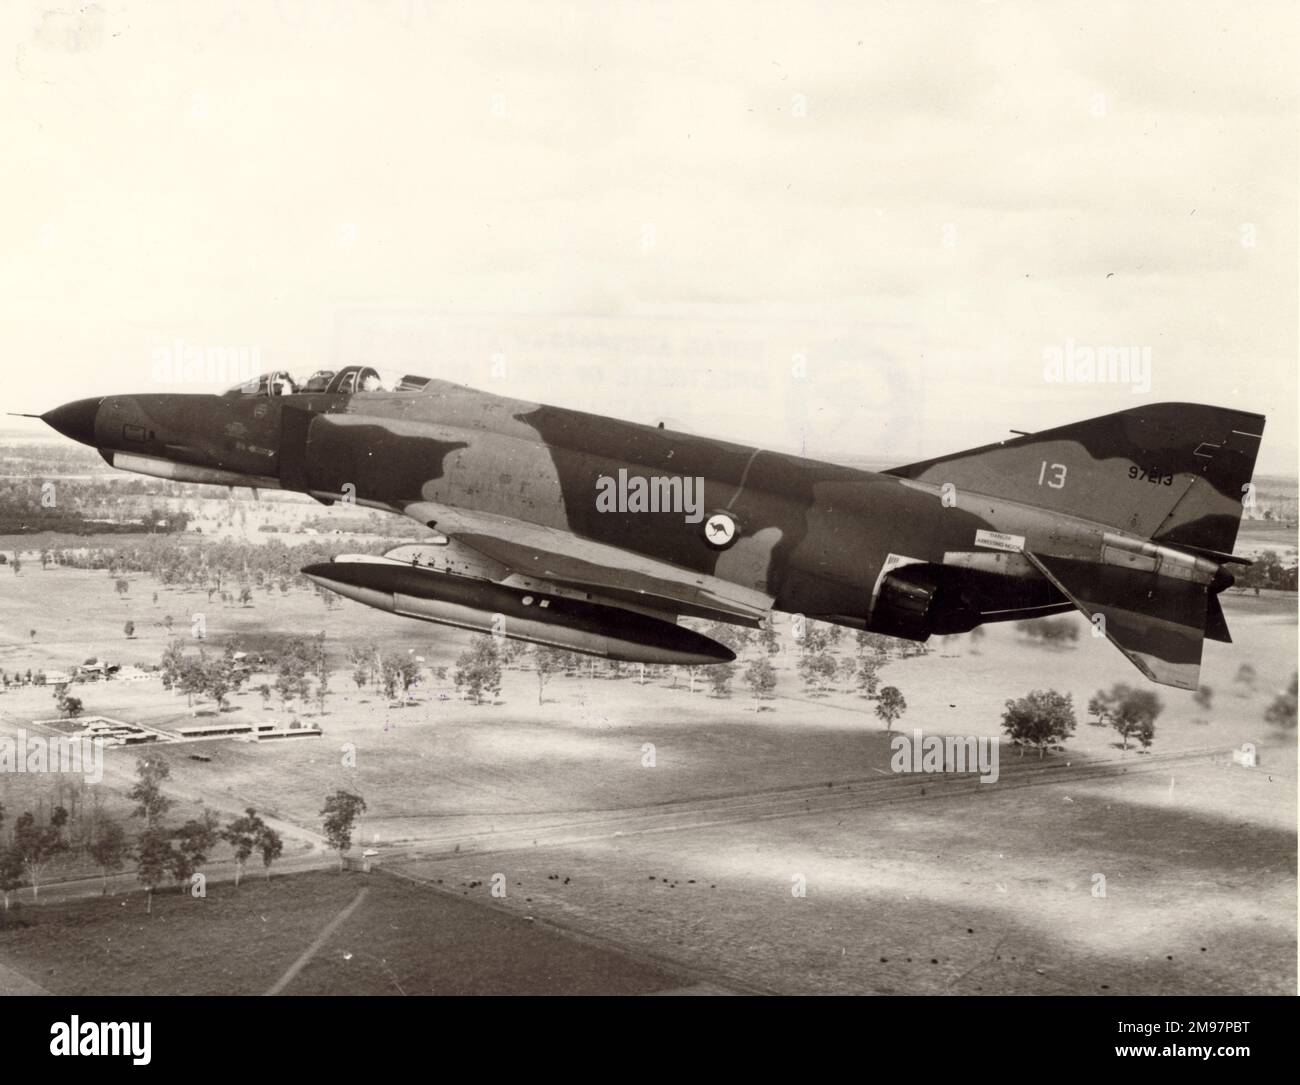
(1175, 473)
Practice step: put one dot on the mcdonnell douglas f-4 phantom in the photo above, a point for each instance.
(598, 535)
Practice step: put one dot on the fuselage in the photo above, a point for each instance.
(815, 537)
(1129, 518)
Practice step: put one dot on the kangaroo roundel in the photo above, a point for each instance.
(720, 530)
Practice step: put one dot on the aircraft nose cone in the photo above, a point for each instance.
(75, 419)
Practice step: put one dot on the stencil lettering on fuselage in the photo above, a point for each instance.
(998, 540)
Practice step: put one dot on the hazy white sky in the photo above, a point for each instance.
(851, 228)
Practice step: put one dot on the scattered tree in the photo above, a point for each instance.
(291, 674)
(478, 670)
(876, 643)
(720, 676)
(155, 859)
(1281, 713)
(320, 667)
(868, 676)
(364, 659)
(69, 707)
(760, 677)
(890, 706)
(547, 662)
(147, 793)
(1042, 718)
(1132, 712)
(36, 845)
(11, 872)
(819, 637)
(270, 844)
(817, 669)
(242, 834)
(109, 848)
(194, 840)
(219, 677)
(340, 813)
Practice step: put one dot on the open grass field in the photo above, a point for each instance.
(583, 748)
(400, 939)
(990, 891)
(1197, 852)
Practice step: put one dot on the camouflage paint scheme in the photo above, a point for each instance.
(1129, 517)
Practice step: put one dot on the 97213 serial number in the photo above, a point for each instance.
(1151, 475)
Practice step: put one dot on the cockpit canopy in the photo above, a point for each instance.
(347, 381)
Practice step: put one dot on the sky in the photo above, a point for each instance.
(856, 230)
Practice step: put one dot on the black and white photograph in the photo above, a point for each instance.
(648, 499)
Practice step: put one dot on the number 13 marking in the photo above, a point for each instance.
(1057, 481)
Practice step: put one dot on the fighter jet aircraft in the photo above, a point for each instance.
(598, 535)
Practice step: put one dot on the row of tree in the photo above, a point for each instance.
(219, 565)
(201, 674)
(160, 851)
(302, 670)
(1267, 571)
